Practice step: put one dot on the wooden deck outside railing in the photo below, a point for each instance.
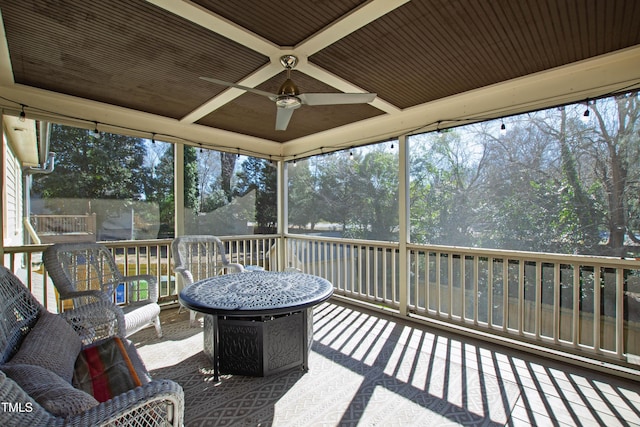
(64, 228)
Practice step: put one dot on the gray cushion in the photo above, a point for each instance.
(51, 344)
(51, 392)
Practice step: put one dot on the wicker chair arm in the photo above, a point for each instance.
(234, 266)
(186, 274)
(96, 322)
(152, 283)
(158, 403)
(30, 413)
(86, 297)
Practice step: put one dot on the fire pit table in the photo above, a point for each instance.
(257, 323)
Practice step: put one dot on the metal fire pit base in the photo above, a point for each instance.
(260, 346)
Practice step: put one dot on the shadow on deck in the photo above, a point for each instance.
(372, 370)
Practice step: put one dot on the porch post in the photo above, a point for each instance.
(3, 194)
(178, 189)
(283, 216)
(178, 198)
(403, 222)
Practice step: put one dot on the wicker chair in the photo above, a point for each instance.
(197, 257)
(153, 403)
(87, 272)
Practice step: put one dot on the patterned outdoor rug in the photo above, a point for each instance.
(364, 371)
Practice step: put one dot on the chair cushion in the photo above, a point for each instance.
(51, 391)
(51, 344)
(105, 370)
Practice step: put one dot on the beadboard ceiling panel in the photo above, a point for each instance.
(135, 64)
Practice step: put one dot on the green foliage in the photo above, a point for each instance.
(161, 188)
(260, 176)
(337, 179)
(214, 200)
(191, 193)
(304, 206)
(227, 168)
(378, 195)
(442, 181)
(109, 167)
(357, 195)
(551, 184)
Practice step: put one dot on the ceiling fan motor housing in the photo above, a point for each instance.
(287, 95)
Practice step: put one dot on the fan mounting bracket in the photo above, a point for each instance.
(289, 61)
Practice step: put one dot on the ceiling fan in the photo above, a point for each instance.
(289, 97)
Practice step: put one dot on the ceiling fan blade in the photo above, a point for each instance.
(336, 98)
(272, 96)
(282, 118)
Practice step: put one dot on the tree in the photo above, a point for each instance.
(576, 212)
(304, 206)
(259, 176)
(162, 188)
(445, 170)
(104, 175)
(617, 159)
(108, 167)
(191, 187)
(227, 168)
(379, 195)
(338, 178)
(208, 180)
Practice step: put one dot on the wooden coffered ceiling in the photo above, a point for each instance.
(133, 66)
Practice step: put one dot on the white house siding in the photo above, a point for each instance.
(12, 209)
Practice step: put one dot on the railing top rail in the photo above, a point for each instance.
(531, 256)
(249, 237)
(131, 243)
(24, 249)
(456, 250)
(62, 216)
(360, 242)
(496, 253)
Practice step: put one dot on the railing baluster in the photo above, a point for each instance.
(575, 326)
(505, 294)
(597, 286)
(427, 267)
(619, 326)
(463, 287)
(438, 259)
(490, 292)
(476, 272)
(450, 284)
(556, 302)
(394, 276)
(521, 319)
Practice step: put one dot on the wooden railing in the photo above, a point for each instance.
(134, 257)
(585, 306)
(574, 306)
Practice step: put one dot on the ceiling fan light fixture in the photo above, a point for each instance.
(288, 101)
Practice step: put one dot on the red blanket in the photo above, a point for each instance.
(105, 370)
